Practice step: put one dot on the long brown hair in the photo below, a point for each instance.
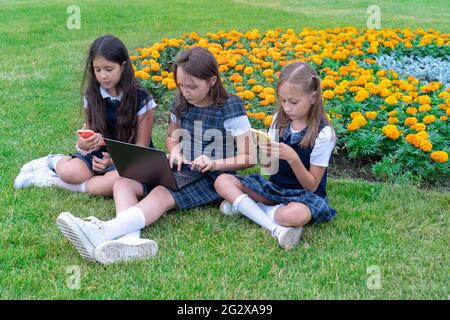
(200, 63)
(306, 79)
(111, 49)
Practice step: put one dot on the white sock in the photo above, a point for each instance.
(269, 210)
(245, 205)
(131, 220)
(132, 235)
(54, 160)
(68, 186)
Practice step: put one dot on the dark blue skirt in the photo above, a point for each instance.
(320, 210)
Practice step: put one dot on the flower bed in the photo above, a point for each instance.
(398, 122)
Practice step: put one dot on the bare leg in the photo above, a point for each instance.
(295, 214)
(156, 203)
(126, 193)
(102, 185)
(73, 170)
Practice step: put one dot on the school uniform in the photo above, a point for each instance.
(227, 120)
(145, 103)
(283, 187)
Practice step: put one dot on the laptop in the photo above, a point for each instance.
(149, 165)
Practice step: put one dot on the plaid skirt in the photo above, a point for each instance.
(320, 210)
(195, 194)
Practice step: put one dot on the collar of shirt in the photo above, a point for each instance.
(105, 94)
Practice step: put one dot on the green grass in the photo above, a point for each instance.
(399, 228)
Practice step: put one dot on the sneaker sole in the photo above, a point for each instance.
(291, 238)
(75, 235)
(116, 251)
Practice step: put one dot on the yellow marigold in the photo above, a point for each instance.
(239, 89)
(239, 67)
(339, 90)
(157, 78)
(391, 131)
(443, 118)
(248, 70)
(269, 90)
(371, 115)
(361, 95)
(328, 83)
(268, 121)
(426, 146)
(257, 89)
(171, 85)
(419, 127)
(360, 121)
(142, 75)
(424, 108)
(424, 99)
(439, 156)
(328, 94)
(155, 66)
(268, 73)
(155, 54)
(260, 115)
(352, 126)
(423, 134)
(411, 111)
(429, 119)
(391, 100)
(355, 114)
(410, 138)
(392, 120)
(393, 113)
(251, 81)
(407, 99)
(223, 68)
(410, 121)
(447, 111)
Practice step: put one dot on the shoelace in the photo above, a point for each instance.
(95, 221)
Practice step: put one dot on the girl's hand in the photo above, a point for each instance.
(93, 142)
(100, 165)
(177, 158)
(281, 150)
(203, 164)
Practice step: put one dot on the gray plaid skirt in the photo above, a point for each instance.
(320, 210)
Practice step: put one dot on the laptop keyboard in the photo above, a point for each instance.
(185, 176)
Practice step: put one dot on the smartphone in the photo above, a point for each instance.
(85, 133)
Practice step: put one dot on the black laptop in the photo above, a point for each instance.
(149, 165)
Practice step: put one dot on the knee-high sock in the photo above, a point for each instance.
(132, 219)
(245, 205)
(269, 210)
(132, 235)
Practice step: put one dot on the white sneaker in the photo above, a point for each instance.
(226, 208)
(37, 164)
(42, 177)
(125, 250)
(288, 237)
(84, 235)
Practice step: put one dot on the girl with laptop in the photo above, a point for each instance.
(201, 109)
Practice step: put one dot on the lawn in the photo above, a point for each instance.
(399, 230)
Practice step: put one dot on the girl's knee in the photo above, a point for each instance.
(122, 184)
(224, 181)
(293, 215)
(72, 172)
